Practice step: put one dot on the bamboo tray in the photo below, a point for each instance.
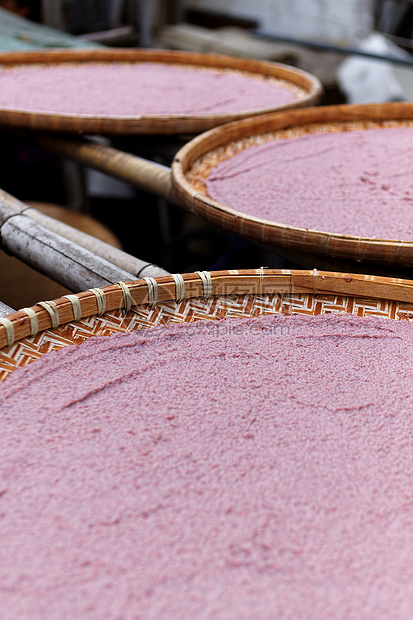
(306, 87)
(196, 158)
(28, 334)
(183, 183)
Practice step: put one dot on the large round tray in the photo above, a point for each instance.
(205, 296)
(194, 161)
(306, 87)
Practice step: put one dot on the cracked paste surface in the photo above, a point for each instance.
(354, 183)
(258, 468)
(141, 89)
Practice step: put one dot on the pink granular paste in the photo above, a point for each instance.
(244, 469)
(140, 89)
(355, 183)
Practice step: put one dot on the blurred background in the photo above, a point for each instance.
(360, 50)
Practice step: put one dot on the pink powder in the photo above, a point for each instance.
(354, 183)
(142, 89)
(245, 469)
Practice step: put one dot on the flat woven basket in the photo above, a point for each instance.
(30, 333)
(195, 160)
(307, 90)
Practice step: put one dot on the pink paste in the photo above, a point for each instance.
(354, 183)
(244, 469)
(141, 89)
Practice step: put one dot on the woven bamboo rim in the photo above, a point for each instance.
(193, 162)
(307, 88)
(30, 333)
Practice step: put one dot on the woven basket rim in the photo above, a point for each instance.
(227, 283)
(122, 124)
(305, 231)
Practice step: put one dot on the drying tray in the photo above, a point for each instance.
(183, 183)
(306, 87)
(192, 297)
(195, 159)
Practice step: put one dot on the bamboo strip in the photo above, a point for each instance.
(224, 283)
(58, 258)
(117, 257)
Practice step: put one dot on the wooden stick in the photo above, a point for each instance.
(127, 262)
(148, 176)
(60, 259)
